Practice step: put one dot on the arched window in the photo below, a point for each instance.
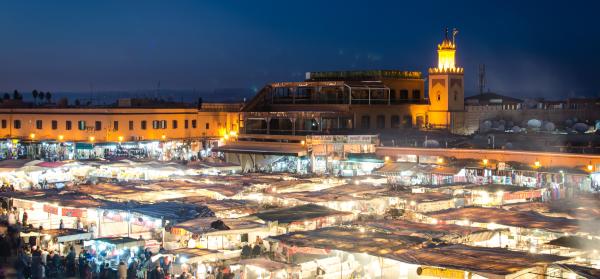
(439, 97)
(455, 95)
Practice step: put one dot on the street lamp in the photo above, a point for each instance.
(92, 139)
(440, 160)
(120, 138)
(485, 162)
(163, 137)
(590, 167)
(32, 136)
(537, 164)
(61, 137)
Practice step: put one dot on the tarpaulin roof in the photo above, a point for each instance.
(298, 213)
(447, 232)
(583, 207)
(203, 225)
(481, 260)
(352, 239)
(173, 211)
(530, 220)
(583, 271)
(576, 242)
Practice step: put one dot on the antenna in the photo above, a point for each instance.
(482, 80)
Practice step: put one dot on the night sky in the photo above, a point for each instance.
(540, 49)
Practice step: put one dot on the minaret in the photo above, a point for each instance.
(446, 91)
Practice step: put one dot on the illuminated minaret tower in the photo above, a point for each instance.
(446, 91)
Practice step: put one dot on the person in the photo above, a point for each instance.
(71, 262)
(79, 224)
(12, 218)
(82, 263)
(24, 220)
(122, 271)
(103, 274)
(158, 273)
(61, 225)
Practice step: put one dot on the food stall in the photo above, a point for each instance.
(57, 239)
(197, 262)
(114, 249)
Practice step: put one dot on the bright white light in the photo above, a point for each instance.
(102, 247)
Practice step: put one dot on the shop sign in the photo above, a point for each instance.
(522, 195)
(355, 139)
(27, 205)
(440, 272)
(51, 209)
(72, 212)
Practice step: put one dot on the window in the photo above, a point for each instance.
(115, 125)
(143, 124)
(393, 94)
(380, 121)
(193, 124)
(155, 124)
(403, 94)
(365, 122)
(98, 125)
(174, 124)
(54, 124)
(416, 94)
(395, 121)
(185, 124)
(407, 121)
(207, 126)
(439, 97)
(17, 124)
(163, 124)
(455, 96)
(39, 124)
(130, 125)
(3, 123)
(68, 125)
(81, 125)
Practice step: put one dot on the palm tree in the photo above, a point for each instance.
(6, 96)
(48, 97)
(41, 96)
(34, 93)
(16, 94)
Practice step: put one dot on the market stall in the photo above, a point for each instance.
(214, 233)
(59, 240)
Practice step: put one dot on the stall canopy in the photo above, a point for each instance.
(519, 219)
(583, 271)
(446, 232)
(173, 211)
(576, 242)
(195, 255)
(268, 265)
(62, 235)
(207, 226)
(298, 213)
(265, 149)
(121, 242)
(351, 239)
(488, 262)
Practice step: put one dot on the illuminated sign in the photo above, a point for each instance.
(441, 272)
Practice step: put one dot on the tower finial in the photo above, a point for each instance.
(454, 32)
(446, 33)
